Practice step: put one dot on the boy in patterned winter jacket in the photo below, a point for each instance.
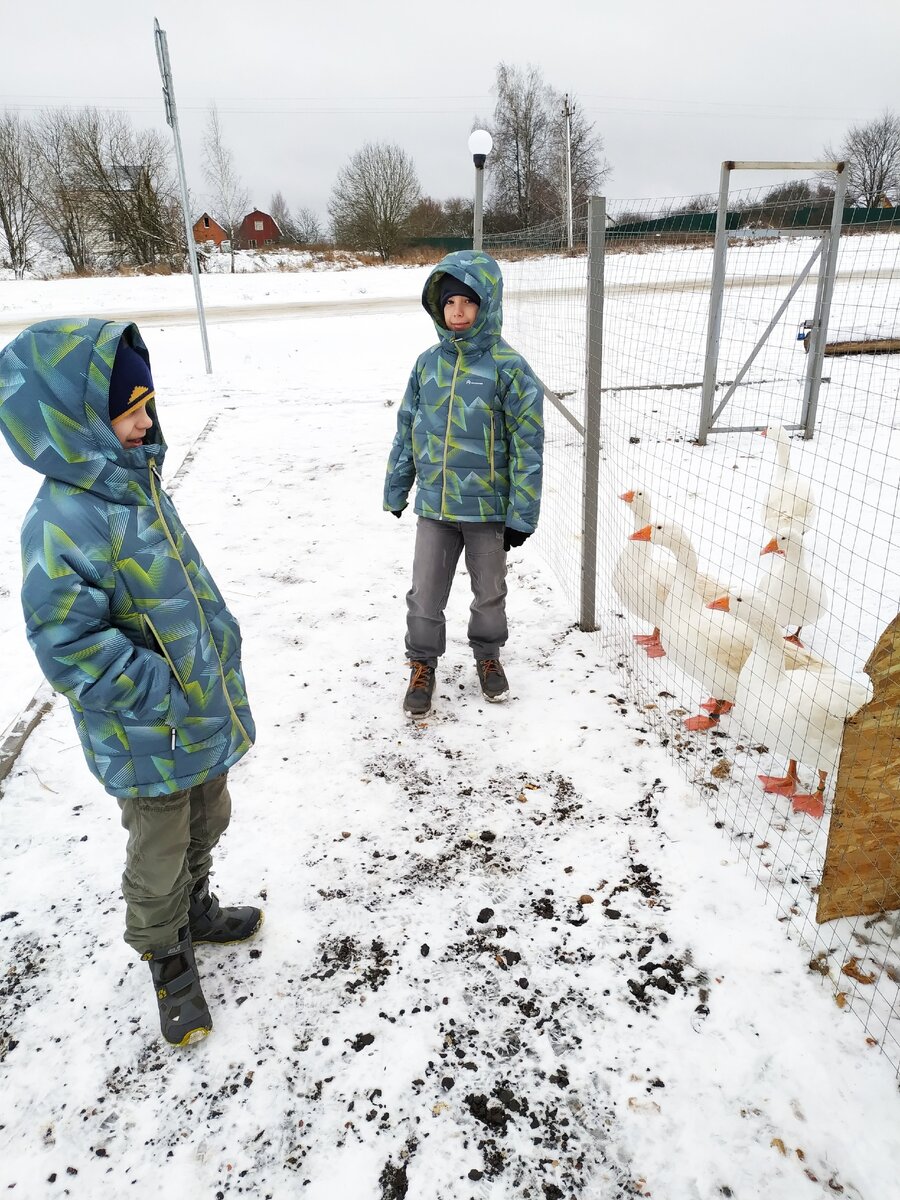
(470, 432)
(129, 625)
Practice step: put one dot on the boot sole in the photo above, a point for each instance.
(417, 716)
(496, 699)
(191, 1037)
(208, 941)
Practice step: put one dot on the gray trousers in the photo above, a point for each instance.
(438, 547)
(170, 844)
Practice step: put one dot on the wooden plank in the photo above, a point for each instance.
(862, 859)
(18, 733)
(889, 345)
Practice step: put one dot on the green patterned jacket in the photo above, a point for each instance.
(123, 616)
(470, 428)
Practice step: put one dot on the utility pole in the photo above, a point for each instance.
(569, 112)
(168, 90)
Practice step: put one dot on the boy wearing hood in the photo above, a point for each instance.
(128, 624)
(470, 432)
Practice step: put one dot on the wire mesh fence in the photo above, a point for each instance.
(790, 536)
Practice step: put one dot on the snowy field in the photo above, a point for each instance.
(505, 954)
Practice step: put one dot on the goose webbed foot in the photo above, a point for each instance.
(781, 785)
(812, 803)
(650, 643)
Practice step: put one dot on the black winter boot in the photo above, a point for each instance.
(210, 922)
(183, 1015)
(417, 701)
(492, 678)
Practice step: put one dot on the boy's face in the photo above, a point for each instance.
(460, 314)
(131, 428)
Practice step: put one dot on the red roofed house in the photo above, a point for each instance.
(208, 229)
(257, 229)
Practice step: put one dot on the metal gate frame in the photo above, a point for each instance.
(826, 252)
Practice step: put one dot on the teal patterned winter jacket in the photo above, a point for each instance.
(123, 616)
(470, 428)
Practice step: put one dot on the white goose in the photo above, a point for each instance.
(644, 573)
(796, 594)
(790, 500)
(799, 714)
(709, 646)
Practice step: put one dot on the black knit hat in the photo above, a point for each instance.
(130, 383)
(451, 286)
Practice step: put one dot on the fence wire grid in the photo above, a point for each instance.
(800, 536)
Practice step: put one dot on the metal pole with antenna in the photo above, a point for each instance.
(168, 90)
(568, 115)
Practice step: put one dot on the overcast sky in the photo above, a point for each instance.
(672, 87)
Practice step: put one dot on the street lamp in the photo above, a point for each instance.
(480, 145)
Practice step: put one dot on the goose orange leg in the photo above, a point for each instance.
(715, 708)
(794, 638)
(814, 803)
(784, 785)
(650, 643)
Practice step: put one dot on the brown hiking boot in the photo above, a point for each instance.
(417, 701)
(492, 678)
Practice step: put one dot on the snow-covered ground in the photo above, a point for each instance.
(505, 954)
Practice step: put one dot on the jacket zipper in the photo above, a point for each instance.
(492, 445)
(156, 504)
(447, 433)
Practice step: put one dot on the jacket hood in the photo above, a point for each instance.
(482, 274)
(54, 407)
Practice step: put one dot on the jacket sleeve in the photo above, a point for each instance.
(523, 413)
(401, 468)
(80, 652)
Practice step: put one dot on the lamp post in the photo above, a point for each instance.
(480, 145)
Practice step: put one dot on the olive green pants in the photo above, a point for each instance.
(170, 844)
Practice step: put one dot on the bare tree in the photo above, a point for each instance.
(528, 163)
(441, 218)
(126, 179)
(229, 197)
(20, 186)
(426, 218)
(873, 151)
(520, 129)
(281, 215)
(373, 197)
(307, 228)
(64, 202)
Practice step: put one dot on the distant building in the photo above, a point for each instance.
(208, 229)
(257, 229)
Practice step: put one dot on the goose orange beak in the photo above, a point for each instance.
(771, 547)
(641, 535)
(628, 497)
(720, 605)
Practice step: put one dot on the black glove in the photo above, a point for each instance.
(513, 537)
(398, 512)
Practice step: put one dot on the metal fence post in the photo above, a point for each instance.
(592, 381)
(716, 292)
(823, 307)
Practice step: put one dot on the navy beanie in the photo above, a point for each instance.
(451, 286)
(130, 383)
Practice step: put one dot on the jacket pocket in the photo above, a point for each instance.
(155, 642)
(492, 447)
